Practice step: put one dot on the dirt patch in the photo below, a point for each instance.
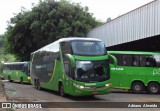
(10, 91)
(20, 99)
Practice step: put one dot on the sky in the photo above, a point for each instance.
(101, 9)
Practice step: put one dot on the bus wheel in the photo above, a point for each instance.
(153, 88)
(9, 78)
(137, 87)
(21, 80)
(61, 90)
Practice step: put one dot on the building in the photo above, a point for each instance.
(138, 29)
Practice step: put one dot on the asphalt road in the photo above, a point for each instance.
(28, 93)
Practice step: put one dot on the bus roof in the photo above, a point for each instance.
(69, 39)
(16, 63)
(133, 52)
(77, 38)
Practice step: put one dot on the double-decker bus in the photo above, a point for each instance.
(136, 71)
(74, 66)
(17, 71)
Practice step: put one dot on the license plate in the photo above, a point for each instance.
(94, 93)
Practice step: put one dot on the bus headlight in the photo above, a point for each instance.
(107, 85)
(78, 86)
(81, 87)
(29, 78)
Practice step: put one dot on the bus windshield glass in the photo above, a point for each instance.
(88, 48)
(92, 71)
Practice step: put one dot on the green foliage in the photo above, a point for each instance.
(5, 57)
(45, 23)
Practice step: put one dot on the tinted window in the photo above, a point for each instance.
(14, 67)
(135, 60)
(138, 60)
(43, 61)
(150, 60)
(88, 48)
(92, 71)
(119, 58)
(66, 49)
(127, 60)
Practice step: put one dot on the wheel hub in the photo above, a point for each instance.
(137, 87)
(154, 89)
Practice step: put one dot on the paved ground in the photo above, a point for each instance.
(28, 93)
(2, 94)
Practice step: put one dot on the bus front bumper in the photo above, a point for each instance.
(86, 91)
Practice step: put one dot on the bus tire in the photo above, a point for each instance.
(61, 90)
(38, 86)
(21, 80)
(137, 87)
(153, 88)
(9, 79)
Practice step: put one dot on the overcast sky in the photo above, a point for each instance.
(102, 9)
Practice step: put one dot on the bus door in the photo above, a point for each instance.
(125, 70)
(66, 49)
(26, 69)
(68, 76)
(119, 74)
(115, 76)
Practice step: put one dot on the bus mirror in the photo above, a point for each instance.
(73, 63)
(113, 58)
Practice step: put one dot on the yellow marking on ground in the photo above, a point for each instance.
(17, 73)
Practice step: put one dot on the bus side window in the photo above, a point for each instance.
(135, 60)
(157, 58)
(66, 48)
(10, 67)
(127, 60)
(147, 61)
(142, 61)
(119, 58)
(150, 61)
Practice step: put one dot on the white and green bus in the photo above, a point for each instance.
(136, 71)
(17, 71)
(74, 66)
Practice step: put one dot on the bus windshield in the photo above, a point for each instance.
(88, 48)
(92, 71)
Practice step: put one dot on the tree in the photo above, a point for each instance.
(4, 57)
(45, 23)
